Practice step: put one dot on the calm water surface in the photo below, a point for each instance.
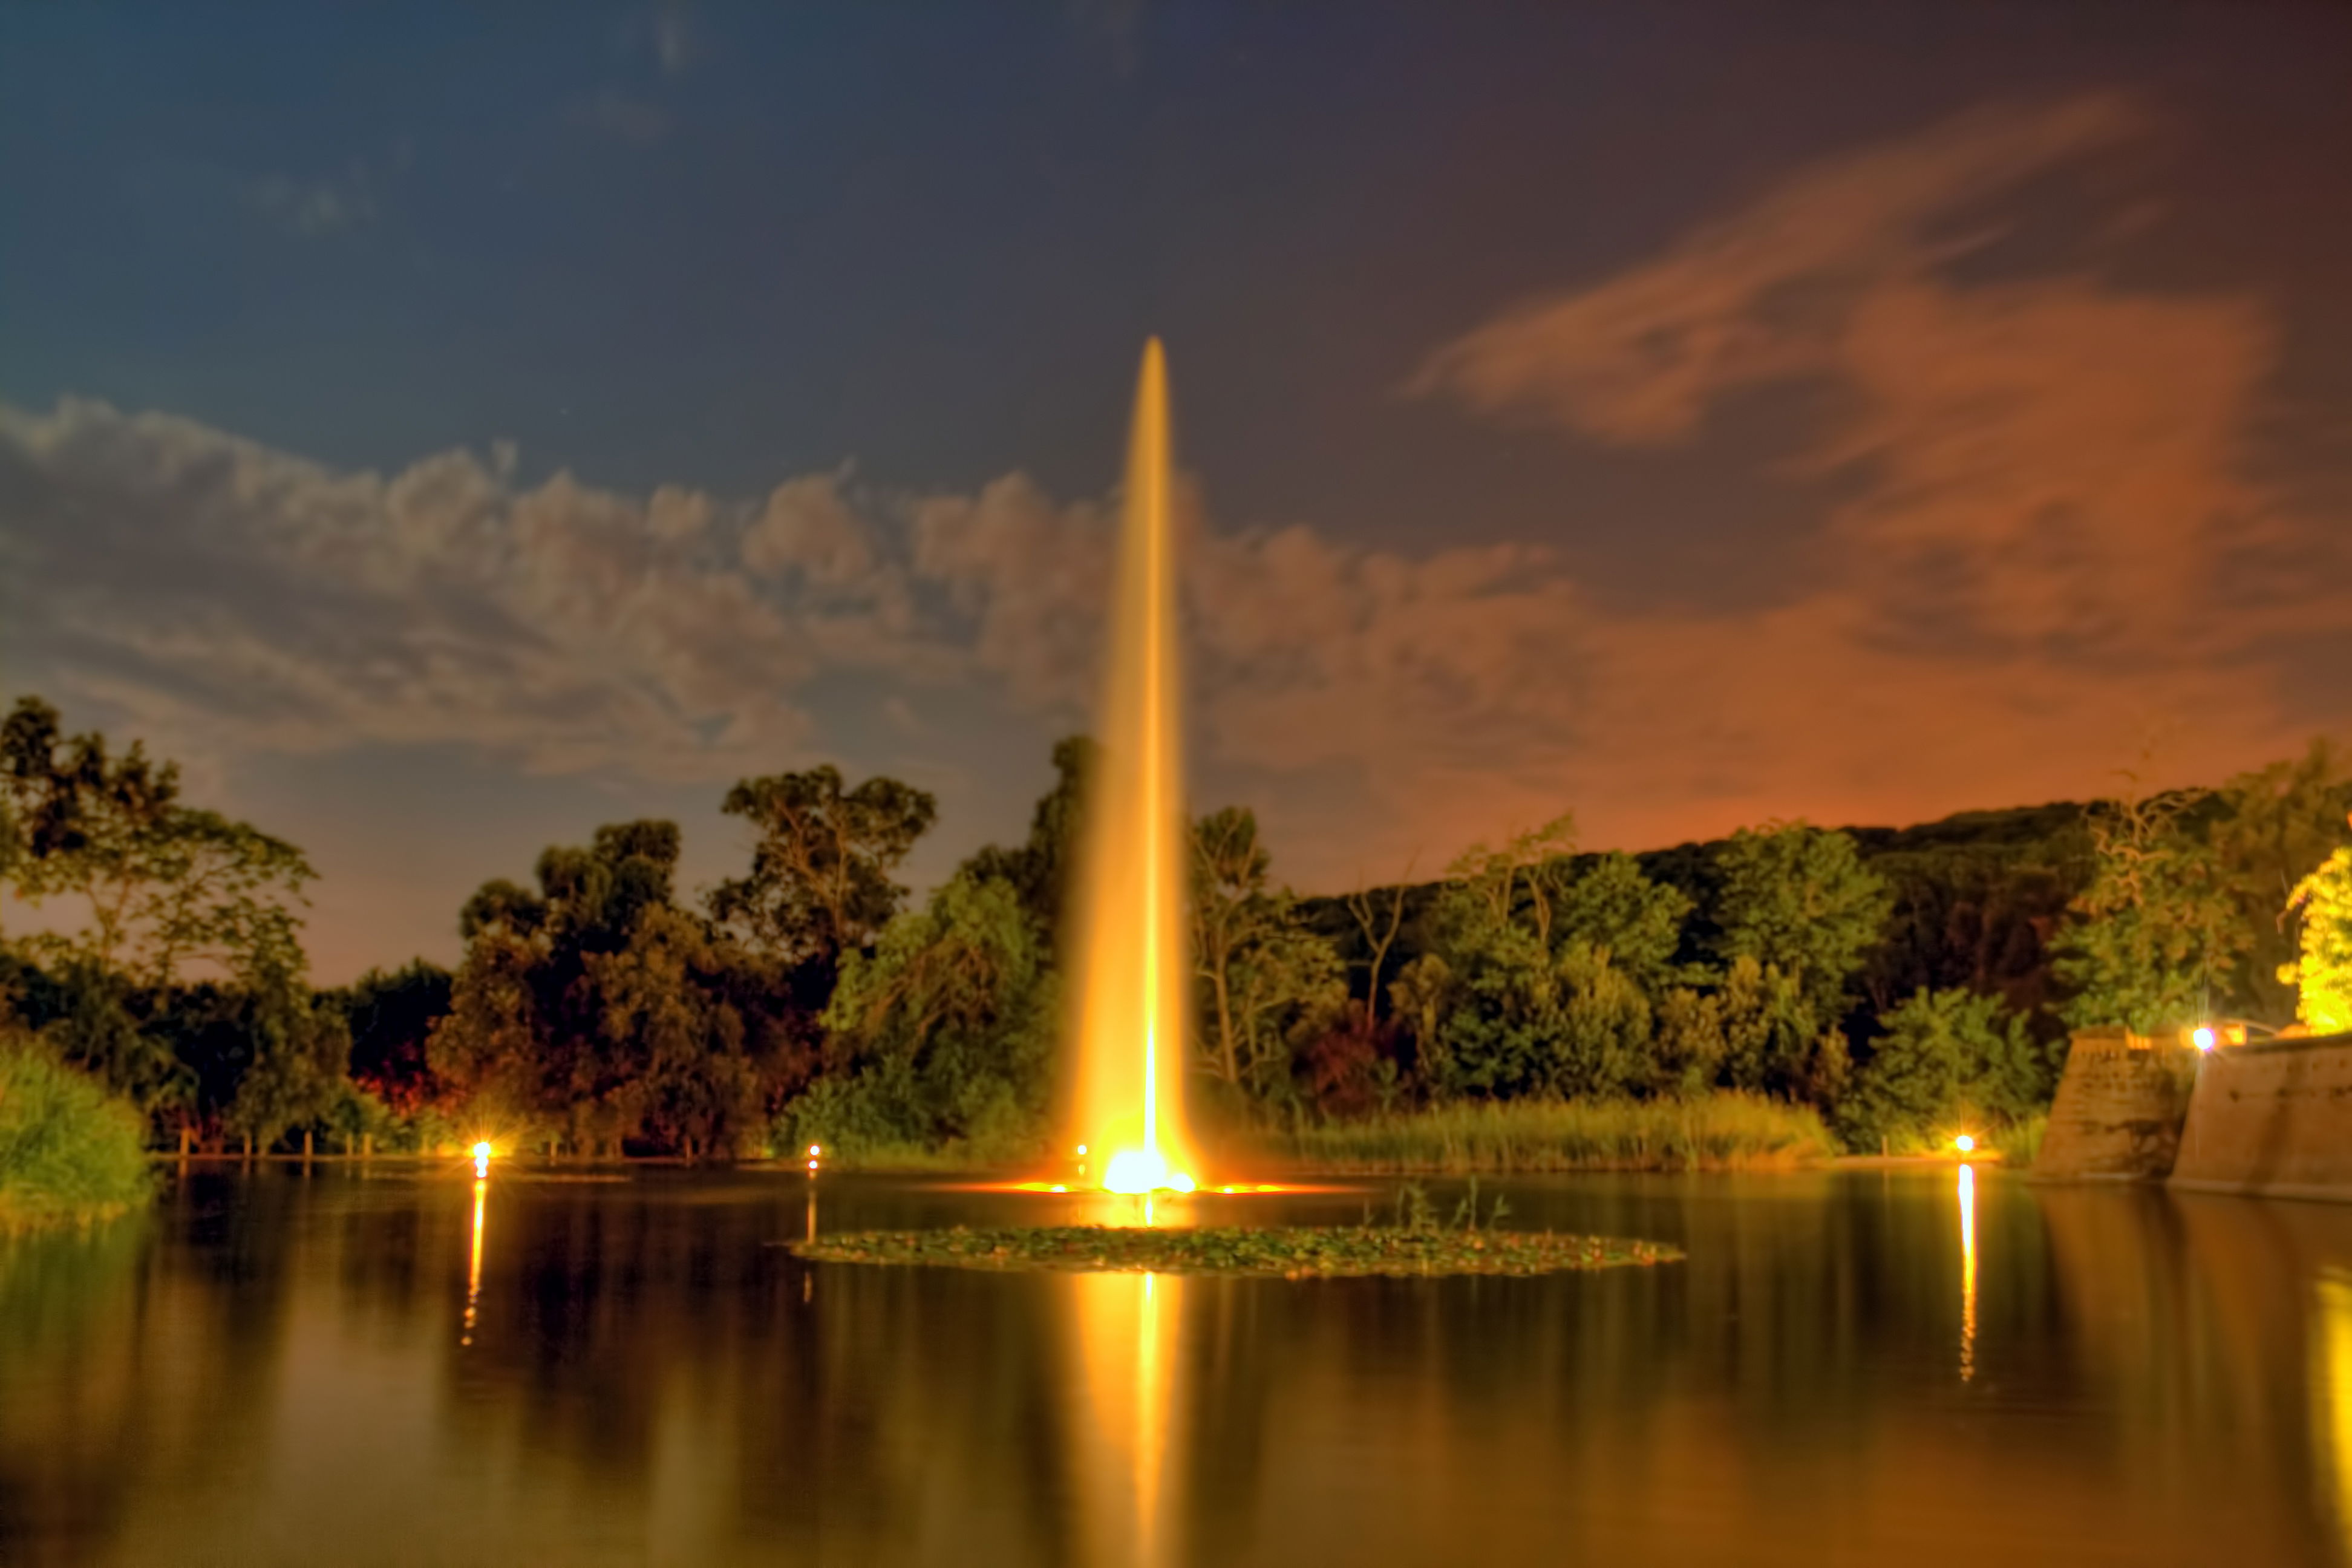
(1863, 1367)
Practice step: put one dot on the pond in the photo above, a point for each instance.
(1861, 1366)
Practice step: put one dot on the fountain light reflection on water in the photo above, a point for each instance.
(474, 1261)
(1968, 1190)
(1128, 1345)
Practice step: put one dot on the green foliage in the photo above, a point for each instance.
(944, 1034)
(68, 1149)
(2323, 973)
(2276, 824)
(1978, 916)
(1799, 900)
(1720, 1131)
(1268, 983)
(2158, 933)
(301, 1048)
(1606, 903)
(1946, 1058)
(159, 886)
(820, 883)
(597, 1010)
(1038, 870)
(1524, 990)
(2190, 913)
(151, 891)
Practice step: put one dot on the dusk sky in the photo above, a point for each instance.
(444, 431)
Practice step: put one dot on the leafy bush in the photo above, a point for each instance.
(1947, 1057)
(2323, 974)
(69, 1150)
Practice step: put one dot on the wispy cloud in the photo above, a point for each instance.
(633, 119)
(315, 208)
(2030, 486)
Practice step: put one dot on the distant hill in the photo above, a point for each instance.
(1977, 897)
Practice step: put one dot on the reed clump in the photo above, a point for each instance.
(2020, 1143)
(70, 1151)
(1726, 1130)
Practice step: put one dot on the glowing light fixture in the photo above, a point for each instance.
(1142, 1171)
(481, 1159)
(1964, 1143)
(2204, 1036)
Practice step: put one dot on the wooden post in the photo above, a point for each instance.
(367, 1145)
(183, 1140)
(248, 1147)
(306, 1148)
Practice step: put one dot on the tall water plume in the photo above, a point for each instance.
(1129, 1013)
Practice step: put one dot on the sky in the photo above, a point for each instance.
(444, 429)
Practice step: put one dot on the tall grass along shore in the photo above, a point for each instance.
(69, 1151)
(1726, 1130)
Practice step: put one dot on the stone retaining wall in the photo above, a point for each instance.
(2273, 1118)
(2119, 1107)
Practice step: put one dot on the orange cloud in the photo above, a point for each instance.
(2034, 492)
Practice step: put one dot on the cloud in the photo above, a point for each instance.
(1761, 296)
(312, 209)
(2039, 532)
(2034, 484)
(303, 609)
(625, 118)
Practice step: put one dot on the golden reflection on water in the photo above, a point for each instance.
(474, 1264)
(1128, 1430)
(2331, 1419)
(1967, 1189)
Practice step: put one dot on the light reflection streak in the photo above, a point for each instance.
(2331, 1415)
(473, 1265)
(1129, 1354)
(808, 1272)
(1967, 1272)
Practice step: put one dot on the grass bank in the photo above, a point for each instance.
(69, 1151)
(1725, 1130)
(2020, 1144)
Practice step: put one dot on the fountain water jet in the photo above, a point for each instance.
(1128, 1017)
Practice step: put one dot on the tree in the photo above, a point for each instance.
(159, 886)
(2323, 970)
(1377, 926)
(1269, 980)
(1773, 1040)
(1038, 870)
(301, 1050)
(1947, 1057)
(2273, 825)
(682, 1008)
(1608, 904)
(820, 883)
(1799, 898)
(2159, 933)
(943, 1033)
(157, 890)
(596, 1008)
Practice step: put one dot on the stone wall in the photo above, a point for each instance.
(2273, 1118)
(2119, 1107)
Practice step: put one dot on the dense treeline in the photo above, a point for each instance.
(1900, 983)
